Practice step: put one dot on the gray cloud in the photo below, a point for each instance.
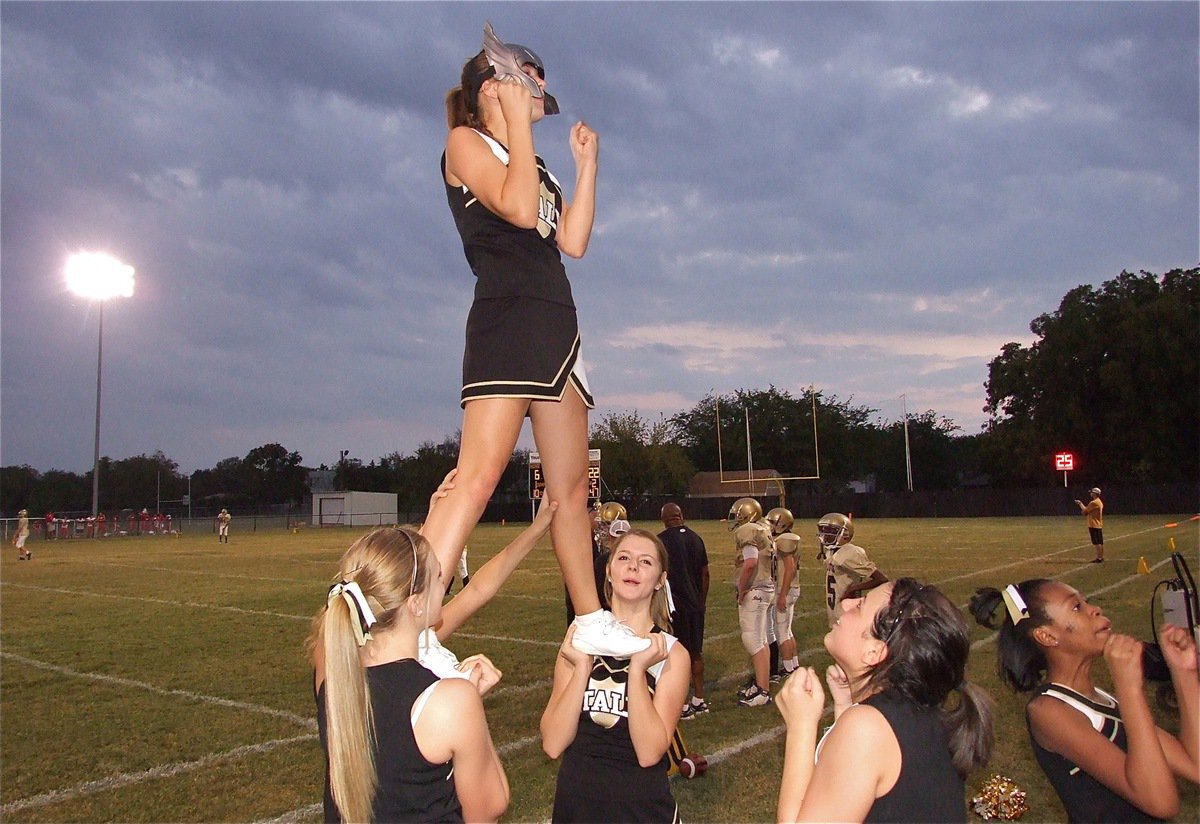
(870, 198)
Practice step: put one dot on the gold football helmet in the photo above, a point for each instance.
(612, 511)
(781, 519)
(744, 511)
(833, 530)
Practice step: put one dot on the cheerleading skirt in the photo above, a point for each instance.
(519, 347)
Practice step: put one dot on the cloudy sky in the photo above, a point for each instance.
(869, 198)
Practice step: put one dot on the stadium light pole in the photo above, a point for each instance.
(98, 276)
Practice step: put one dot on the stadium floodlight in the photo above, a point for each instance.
(98, 276)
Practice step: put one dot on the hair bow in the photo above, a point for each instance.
(353, 595)
(1017, 610)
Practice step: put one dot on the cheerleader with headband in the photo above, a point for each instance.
(400, 743)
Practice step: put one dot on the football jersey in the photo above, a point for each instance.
(849, 565)
(787, 545)
(756, 535)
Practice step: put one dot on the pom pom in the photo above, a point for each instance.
(1001, 799)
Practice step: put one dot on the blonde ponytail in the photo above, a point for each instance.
(350, 722)
(386, 565)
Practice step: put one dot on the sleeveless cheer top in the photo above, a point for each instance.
(509, 261)
(1085, 798)
(409, 787)
(928, 788)
(600, 779)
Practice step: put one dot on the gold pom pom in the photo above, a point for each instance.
(1001, 799)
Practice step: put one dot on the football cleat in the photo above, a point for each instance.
(755, 698)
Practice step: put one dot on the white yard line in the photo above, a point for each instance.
(298, 814)
(303, 721)
(162, 771)
(162, 601)
(206, 573)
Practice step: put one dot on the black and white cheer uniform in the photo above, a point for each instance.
(600, 779)
(409, 787)
(522, 330)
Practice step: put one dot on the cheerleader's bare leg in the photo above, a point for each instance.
(490, 430)
(560, 430)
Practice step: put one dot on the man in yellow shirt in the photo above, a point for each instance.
(1093, 510)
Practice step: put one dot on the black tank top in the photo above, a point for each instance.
(409, 787)
(928, 788)
(1085, 798)
(509, 261)
(600, 779)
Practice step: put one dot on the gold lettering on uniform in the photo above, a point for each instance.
(547, 213)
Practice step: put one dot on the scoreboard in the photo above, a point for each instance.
(537, 481)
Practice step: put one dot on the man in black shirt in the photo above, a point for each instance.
(687, 575)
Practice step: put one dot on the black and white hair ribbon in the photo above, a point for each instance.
(1018, 611)
(353, 595)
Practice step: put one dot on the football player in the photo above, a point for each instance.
(848, 570)
(755, 553)
(787, 586)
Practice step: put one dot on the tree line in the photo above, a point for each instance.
(1113, 376)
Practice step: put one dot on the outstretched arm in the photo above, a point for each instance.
(487, 580)
(875, 580)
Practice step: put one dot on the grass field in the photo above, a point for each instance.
(163, 678)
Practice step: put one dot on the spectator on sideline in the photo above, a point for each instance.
(463, 573)
(687, 574)
(1093, 510)
(612, 720)
(400, 743)
(1103, 754)
(898, 749)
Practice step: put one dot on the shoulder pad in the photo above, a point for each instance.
(747, 534)
(788, 543)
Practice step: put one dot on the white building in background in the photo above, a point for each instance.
(354, 508)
